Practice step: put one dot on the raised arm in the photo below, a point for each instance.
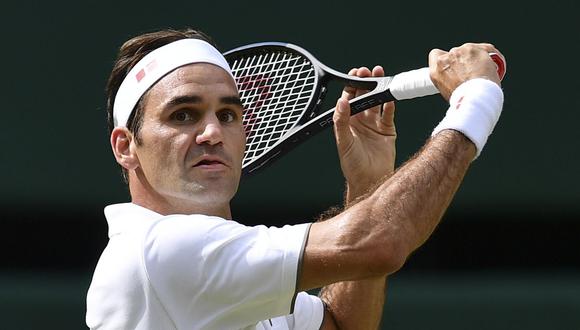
(374, 237)
(366, 147)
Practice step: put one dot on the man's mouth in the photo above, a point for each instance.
(208, 162)
(212, 163)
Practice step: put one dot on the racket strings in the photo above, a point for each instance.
(276, 89)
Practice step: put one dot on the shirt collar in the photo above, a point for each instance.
(128, 215)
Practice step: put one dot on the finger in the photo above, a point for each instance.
(349, 92)
(435, 58)
(378, 71)
(483, 48)
(341, 120)
(490, 48)
(388, 116)
(362, 73)
(374, 112)
(341, 114)
(483, 52)
(439, 61)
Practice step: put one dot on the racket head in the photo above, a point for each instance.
(279, 85)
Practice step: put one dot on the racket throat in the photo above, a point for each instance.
(367, 101)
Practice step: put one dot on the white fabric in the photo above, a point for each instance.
(308, 315)
(157, 64)
(197, 272)
(474, 109)
(412, 84)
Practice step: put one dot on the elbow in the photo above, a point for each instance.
(372, 250)
(393, 260)
(390, 258)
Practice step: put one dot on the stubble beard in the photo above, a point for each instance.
(216, 193)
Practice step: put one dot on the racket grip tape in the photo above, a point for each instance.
(412, 84)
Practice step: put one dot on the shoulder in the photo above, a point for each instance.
(174, 234)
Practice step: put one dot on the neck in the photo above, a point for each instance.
(165, 207)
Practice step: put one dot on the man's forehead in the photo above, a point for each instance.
(201, 79)
(197, 73)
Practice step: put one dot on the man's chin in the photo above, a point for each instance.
(210, 191)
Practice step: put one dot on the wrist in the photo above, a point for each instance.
(474, 109)
(360, 189)
(353, 192)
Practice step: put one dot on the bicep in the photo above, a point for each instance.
(340, 249)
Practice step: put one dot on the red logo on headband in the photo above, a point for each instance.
(140, 75)
(149, 67)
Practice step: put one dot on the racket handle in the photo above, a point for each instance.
(417, 83)
(412, 84)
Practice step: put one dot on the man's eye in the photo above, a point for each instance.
(227, 116)
(182, 116)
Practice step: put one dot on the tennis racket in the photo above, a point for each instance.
(282, 87)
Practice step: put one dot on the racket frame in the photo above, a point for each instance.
(311, 121)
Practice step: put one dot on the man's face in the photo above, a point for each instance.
(192, 138)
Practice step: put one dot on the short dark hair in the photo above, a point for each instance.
(129, 54)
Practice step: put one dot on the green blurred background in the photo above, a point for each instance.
(506, 255)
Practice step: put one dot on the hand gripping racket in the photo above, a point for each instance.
(282, 87)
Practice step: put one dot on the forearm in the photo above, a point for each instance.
(406, 208)
(376, 235)
(413, 201)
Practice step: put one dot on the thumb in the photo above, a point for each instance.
(341, 120)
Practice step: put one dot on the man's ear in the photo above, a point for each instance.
(122, 144)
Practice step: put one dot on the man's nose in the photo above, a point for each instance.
(211, 132)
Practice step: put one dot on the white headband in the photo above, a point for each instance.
(157, 64)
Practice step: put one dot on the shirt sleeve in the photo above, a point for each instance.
(208, 268)
(308, 315)
(308, 312)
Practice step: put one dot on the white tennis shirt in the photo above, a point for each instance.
(198, 272)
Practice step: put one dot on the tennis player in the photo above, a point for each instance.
(176, 259)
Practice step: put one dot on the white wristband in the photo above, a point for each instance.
(474, 109)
